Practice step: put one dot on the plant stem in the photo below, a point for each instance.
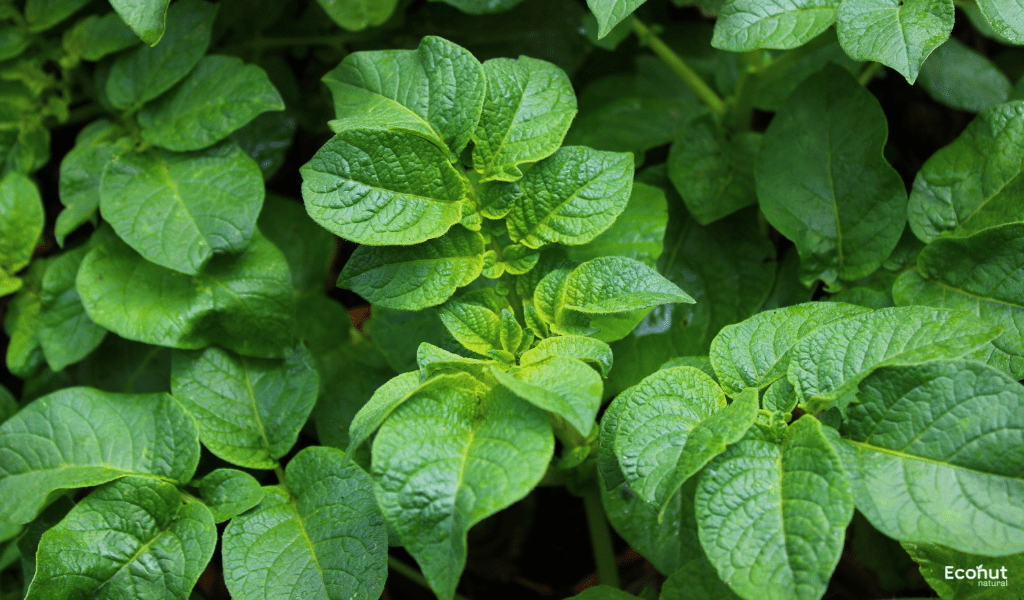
(790, 57)
(601, 538)
(742, 109)
(869, 73)
(280, 474)
(674, 62)
(413, 575)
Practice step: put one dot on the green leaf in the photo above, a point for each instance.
(962, 78)
(603, 592)
(383, 188)
(28, 542)
(1006, 18)
(529, 106)
(397, 334)
(94, 37)
(788, 291)
(99, 143)
(772, 516)
(306, 246)
(670, 425)
(780, 397)
(511, 332)
(973, 183)
(145, 17)
(142, 74)
(8, 405)
(589, 350)
(712, 170)
(637, 233)
(480, 7)
(750, 24)
(610, 13)
(561, 385)
(21, 221)
(8, 284)
(179, 210)
(433, 360)
(924, 438)
(897, 33)
(436, 91)
(614, 284)
(474, 319)
(356, 15)
(390, 396)
(24, 353)
(571, 197)
(66, 334)
(982, 275)
(322, 538)
(44, 14)
(243, 303)
(13, 41)
(831, 360)
(77, 437)
(267, 139)
(415, 277)
(488, 451)
(933, 560)
(220, 95)
(757, 351)
(696, 580)
(249, 410)
(229, 493)
(133, 538)
(822, 180)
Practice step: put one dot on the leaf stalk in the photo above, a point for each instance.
(678, 66)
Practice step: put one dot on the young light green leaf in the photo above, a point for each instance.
(66, 334)
(614, 284)
(418, 276)
(897, 33)
(94, 37)
(145, 17)
(8, 284)
(249, 410)
(322, 537)
(610, 13)
(243, 303)
(356, 15)
(713, 171)
(982, 275)
(830, 361)
(822, 180)
(433, 360)
(77, 437)
(696, 580)
(383, 188)
(387, 398)
(436, 91)
(924, 438)
(21, 221)
(132, 538)
(933, 560)
(962, 78)
(973, 183)
(511, 332)
(571, 197)
(519, 260)
(44, 14)
(142, 74)
(780, 397)
(744, 25)
(561, 385)
(587, 349)
(794, 497)
(229, 493)
(529, 106)
(179, 210)
(757, 351)
(1006, 18)
(98, 143)
(637, 233)
(489, 450)
(220, 95)
(474, 319)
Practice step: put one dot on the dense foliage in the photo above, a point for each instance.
(668, 265)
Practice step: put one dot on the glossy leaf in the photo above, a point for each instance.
(145, 17)
(589, 350)
(243, 303)
(356, 15)
(613, 284)
(526, 113)
(750, 24)
(383, 188)
(322, 537)
(822, 180)
(132, 538)
(249, 410)
(76, 437)
(772, 516)
(474, 319)
(1006, 18)
(934, 455)
(66, 333)
(637, 233)
(229, 493)
(418, 276)
(21, 221)
(561, 385)
(220, 95)
(830, 361)
(610, 13)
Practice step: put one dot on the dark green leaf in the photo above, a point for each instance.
(962, 78)
(637, 233)
(267, 139)
(307, 247)
(66, 334)
(934, 559)
(696, 580)
(94, 37)
(44, 14)
(356, 15)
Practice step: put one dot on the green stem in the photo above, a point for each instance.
(413, 575)
(601, 538)
(742, 109)
(280, 474)
(869, 73)
(674, 62)
(790, 57)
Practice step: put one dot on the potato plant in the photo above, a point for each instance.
(660, 259)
